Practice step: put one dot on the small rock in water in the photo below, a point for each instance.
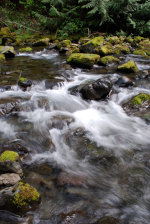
(71, 179)
(24, 82)
(124, 81)
(96, 90)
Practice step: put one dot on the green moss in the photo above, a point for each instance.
(106, 50)
(138, 39)
(121, 49)
(108, 59)
(9, 155)
(64, 43)
(140, 98)
(2, 57)
(41, 42)
(22, 79)
(26, 49)
(139, 52)
(129, 66)
(113, 40)
(25, 195)
(87, 60)
(4, 31)
(97, 41)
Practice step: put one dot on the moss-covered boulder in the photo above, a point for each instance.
(108, 60)
(41, 42)
(106, 49)
(25, 195)
(8, 51)
(83, 60)
(139, 105)
(114, 40)
(64, 44)
(26, 49)
(139, 52)
(5, 31)
(9, 155)
(2, 57)
(121, 49)
(140, 99)
(91, 46)
(128, 67)
(138, 38)
(10, 163)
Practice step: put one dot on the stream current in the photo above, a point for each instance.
(88, 159)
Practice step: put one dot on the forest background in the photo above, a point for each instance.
(74, 18)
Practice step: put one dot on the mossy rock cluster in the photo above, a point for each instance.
(128, 67)
(41, 42)
(83, 60)
(64, 44)
(91, 45)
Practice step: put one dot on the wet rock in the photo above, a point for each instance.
(129, 67)
(24, 82)
(9, 52)
(8, 107)
(5, 88)
(83, 60)
(108, 220)
(51, 83)
(9, 179)
(96, 90)
(66, 178)
(15, 146)
(6, 195)
(41, 42)
(124, 81)
(74, 217)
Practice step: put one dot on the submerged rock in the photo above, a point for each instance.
(9, 52)
(129, 67)
(83, 60)
(96, 90)
(124, 81)
(108, 220)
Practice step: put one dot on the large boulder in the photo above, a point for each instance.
(41, 42)
(83, 60)
(129, 67)
(106, 49)
(91, 46)
(8, 51)
(96, 90)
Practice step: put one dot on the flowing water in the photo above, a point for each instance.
(88, 159)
